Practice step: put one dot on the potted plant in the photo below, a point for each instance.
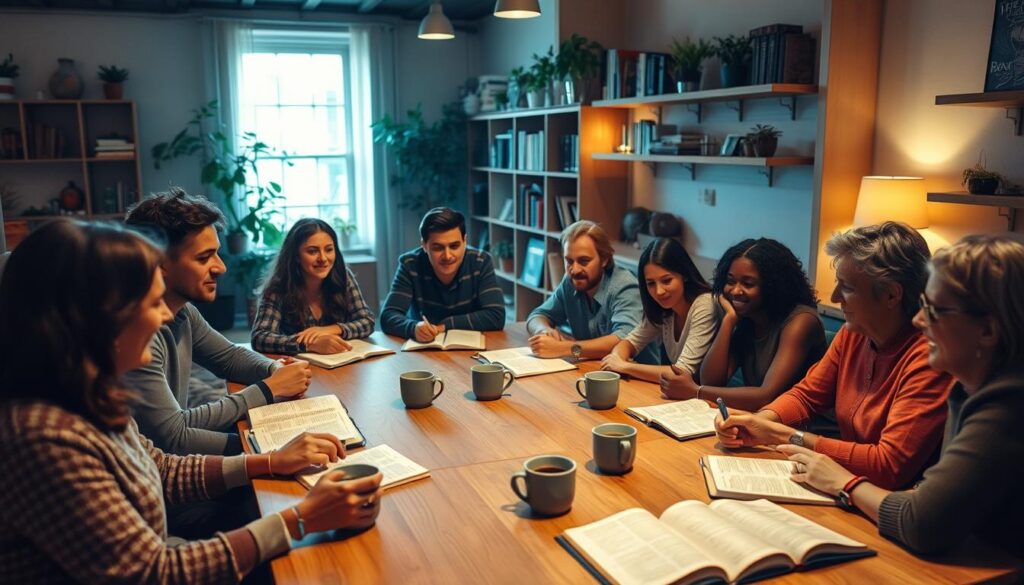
(980, 181)
(539, 86)
(578, 60)
(763, 140)
(346, 230)
(233, 172)
(516, 85)
(113, 79)
(687, 62)
(502, 250)
(8, 72)
(734, 53)
(430, 159)
(470, 99)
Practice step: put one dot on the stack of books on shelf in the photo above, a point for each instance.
(47, 142)
(636, 74)
(114, 148)
(10, 144)
(781, 54)
(490, 87)
(114, 198)
(501, 151)
(570, 153)
(530, 151)
(687, 143)
(531, 205)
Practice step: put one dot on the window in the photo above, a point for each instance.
(295, 95)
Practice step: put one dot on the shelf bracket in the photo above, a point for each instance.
(790, 104)
(1010, 214)
(737, 108)
(770, 173)
(692, 168)
(696, 109)
(1017, 116)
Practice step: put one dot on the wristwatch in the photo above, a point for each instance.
(845, 499)
(797, 438)
(577, 351)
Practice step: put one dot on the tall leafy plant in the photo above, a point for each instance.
(430, 159)
(232, 171)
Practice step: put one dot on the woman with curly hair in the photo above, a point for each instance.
(769, 330)
(312, 302)
(889, 403)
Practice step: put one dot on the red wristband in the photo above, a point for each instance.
(850, 485)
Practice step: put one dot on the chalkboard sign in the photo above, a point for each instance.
(1006, 54)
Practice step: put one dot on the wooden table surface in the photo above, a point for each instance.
(465, 524)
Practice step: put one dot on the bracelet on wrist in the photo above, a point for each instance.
(699, 388)
(300, 523)
(270, 468)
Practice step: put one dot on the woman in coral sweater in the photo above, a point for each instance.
(889, 403)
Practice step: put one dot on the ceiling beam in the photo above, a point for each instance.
(419, 10)
(369, 5)
(247, 3)
(310, 4)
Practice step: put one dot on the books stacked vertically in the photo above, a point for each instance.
(10, 144)
(782, 54)
(631, 73)
(570, 153)
(46, 142)
(531, 205)
(689, 143)
(565, 210)
(501, 151)
(114, 148)
(530, 151)
(490, 87)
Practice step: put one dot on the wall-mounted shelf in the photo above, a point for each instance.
(1012, 101)
(765, 164)
(786, 92)
(1010, 202)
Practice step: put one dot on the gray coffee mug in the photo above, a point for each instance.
(418, 388)
(601, 389)
(355, 471)
(614, 447)
(549, 484)
(490, 381)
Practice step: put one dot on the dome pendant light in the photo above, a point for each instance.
(517, 8)
(435, 26)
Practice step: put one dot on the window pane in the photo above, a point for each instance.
(268, 125)
(295, 71)
(331, 124)
(301, 134)
(335, 178)
(301, 182)
(259, 85)
(328, 82)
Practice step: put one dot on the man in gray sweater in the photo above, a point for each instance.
(191, 268)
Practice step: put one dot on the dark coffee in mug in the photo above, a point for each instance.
(549, 469)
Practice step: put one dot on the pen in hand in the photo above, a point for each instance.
(722, 409)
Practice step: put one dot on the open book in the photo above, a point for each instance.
(395, 467)
(360, 351)
(745, 478)
(452, 339)
(695, 542)
(683, 420)
(274, 425)
(521, 362)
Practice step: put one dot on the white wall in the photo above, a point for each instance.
(506, 43)
(936, 47)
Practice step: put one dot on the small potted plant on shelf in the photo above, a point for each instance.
(763, 140)
(516, 86)
(578, 60)
(346, 230)
(543, 70)
(734, 52)
(113, 78)
(8, 72)
(502, 250)
(687, 62)
(980, 181)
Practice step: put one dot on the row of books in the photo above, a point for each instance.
(46, 142)
(687, 143)
(781, 54)
(10, 144)
(631, 73)
(569, 153)
(491, 86)
(531, 205)
(518, 150)
(115, 198)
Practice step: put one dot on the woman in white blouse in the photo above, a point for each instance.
(678, 309)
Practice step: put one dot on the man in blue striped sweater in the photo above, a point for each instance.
(443, 284)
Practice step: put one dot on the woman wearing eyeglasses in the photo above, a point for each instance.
(972, 314)
(889, 403)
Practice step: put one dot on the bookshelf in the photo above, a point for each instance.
(47, 143)
(597, 188)
(785, 92)
(1010, 202)
(1012, 101)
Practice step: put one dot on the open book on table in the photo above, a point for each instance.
(694, 542)
(686, 419)
(451, 339)
(395, 467)
(274, 425)
(360, 351)
(745, 478)
(521, 362)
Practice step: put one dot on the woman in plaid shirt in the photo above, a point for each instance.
(83, 495)
(312, 302)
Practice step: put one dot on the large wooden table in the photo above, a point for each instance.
(464, 524)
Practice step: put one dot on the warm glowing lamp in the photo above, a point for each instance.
(435, 26)
(517, 8)
(892, 199)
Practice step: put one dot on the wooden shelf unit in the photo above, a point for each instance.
(1012, 101)
(786, 92)
(599, 187)
(690, 162)
(1010, 202)
(39, 179)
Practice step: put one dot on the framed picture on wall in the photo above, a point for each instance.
(730, 144)
(533, 263)
(1005, 66)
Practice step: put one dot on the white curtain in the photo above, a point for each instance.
(373, 96)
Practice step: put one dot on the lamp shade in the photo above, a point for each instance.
(517, 8)
(891, 199)
(435, 26)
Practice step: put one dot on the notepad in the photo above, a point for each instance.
(360, 351)
(746, 478)
(694, 542)
(396, 468)
(272, 426)
(452, 339)
(521, 362)
(686, 419)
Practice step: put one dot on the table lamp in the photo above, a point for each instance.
(891, 199)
